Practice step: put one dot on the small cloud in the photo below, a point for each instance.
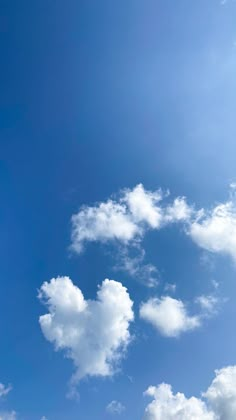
(215, 284)
(169, 316)
(4, 390)
(209, 304)
(170, 287)
(115, 407)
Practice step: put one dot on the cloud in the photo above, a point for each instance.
(209, 304)
(4, 390)
(169, 316)
(221, 394)
(115, 407)
(217, 403)
(126, 219)
(143, 206)
(94, 333)
(108, 221)
(135, 266)
(8, 415)
(215, 231)
(167, 406)
(170, 287)
(178, 211)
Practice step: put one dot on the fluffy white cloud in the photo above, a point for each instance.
(94, 333)
(115, 407)
(169, 316)
(221, 394)
(169, 406)
(107, 221)
(219, 404)
(215, 231)
(178, 211)
(126, 219)
(143, 206)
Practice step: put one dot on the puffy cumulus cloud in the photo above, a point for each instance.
(221, 394)
(169, 316)
(143, 205)
(169, 406)
(215, 230)
(178, 211)
(4, 390)
(125, 219)
(94, 333)
(217, 403)
(107, 221)
(115, 407)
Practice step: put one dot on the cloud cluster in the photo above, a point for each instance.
(126, 219)
(94, 333)
(136, 210)
(217, 403)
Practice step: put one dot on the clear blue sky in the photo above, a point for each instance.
(97, 96)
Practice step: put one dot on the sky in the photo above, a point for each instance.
(118, 210)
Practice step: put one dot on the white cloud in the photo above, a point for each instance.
(219, 404)
(108, 221)
(169, 316)
(221, 394)
(215, 231)
(115, 407)
(143, 205)
(94, 333)
(178, 211)
(126, 219)
(4, 390)
(169, 406)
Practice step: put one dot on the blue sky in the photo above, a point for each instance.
(96, 98)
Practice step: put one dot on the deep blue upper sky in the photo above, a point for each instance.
(98, 96)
